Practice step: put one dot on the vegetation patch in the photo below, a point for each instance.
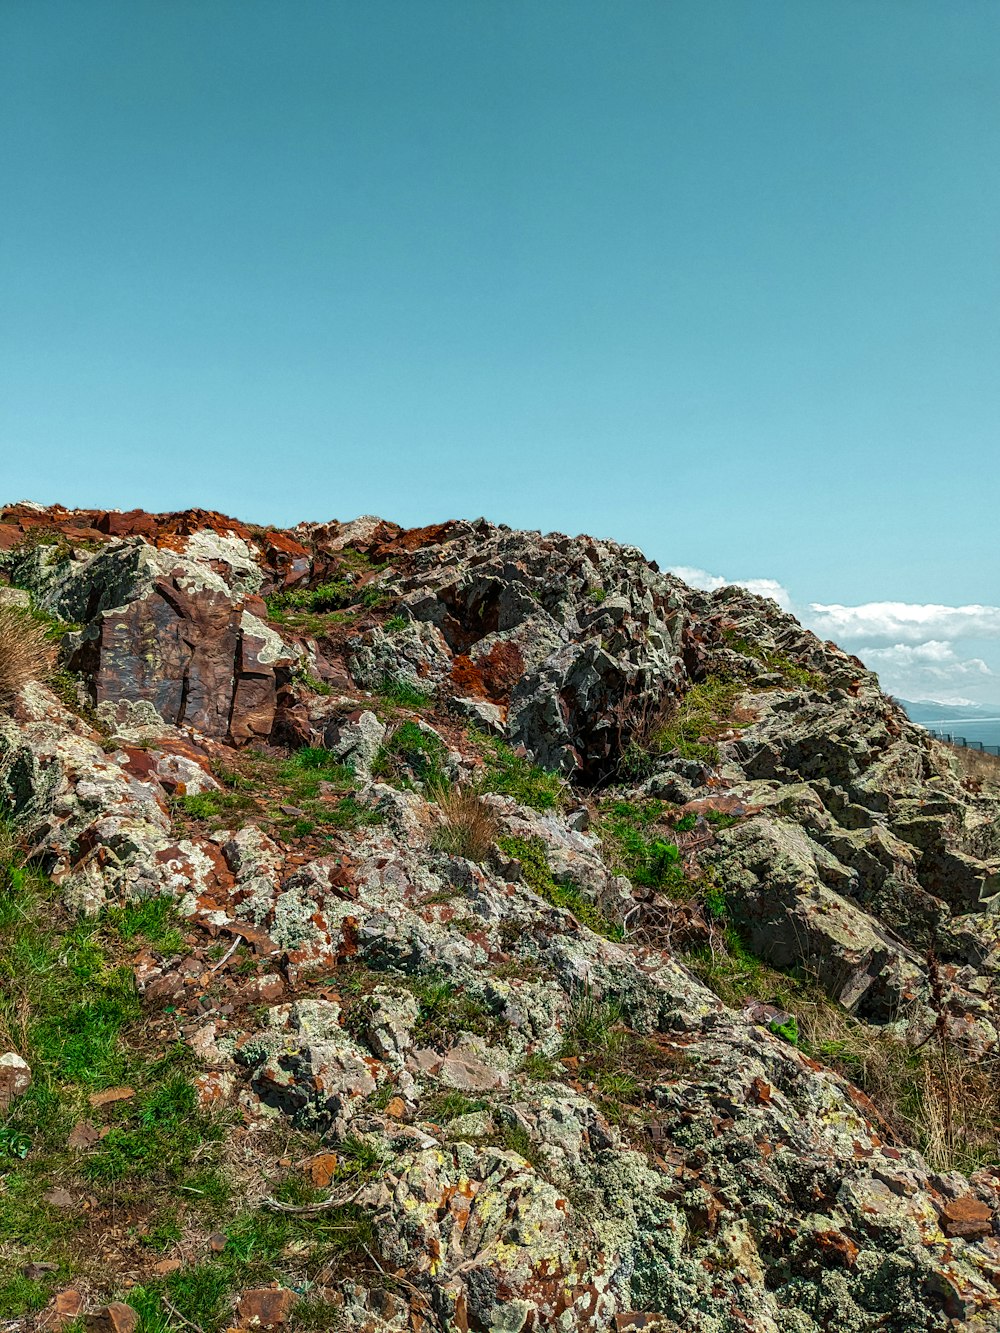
(600, 1050)
(411, 755)
(446, 1010)
(793, 674)
(634, 837)
(530, 854)
(68, 1005)
(705, 710)
(929, 1096)
(307, 795)
(403, 693)
(348, 588)
(470, 827)
(511, 774)
(26, 651)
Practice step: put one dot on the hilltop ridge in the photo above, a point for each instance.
(525, 939)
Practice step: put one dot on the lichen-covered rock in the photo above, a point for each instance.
(571, 1130)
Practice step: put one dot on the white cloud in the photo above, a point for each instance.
(894, 623)
(914, 646)
(931, 670)
(700, 578)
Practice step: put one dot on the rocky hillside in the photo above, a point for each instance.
(460, 928)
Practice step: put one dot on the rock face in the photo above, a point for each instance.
(623, 1149)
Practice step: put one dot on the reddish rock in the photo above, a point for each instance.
(65, 1307)
(132, 523)
(114, 1318)
(966, 1217)
(266, 1307)
(321, 1168)
(837, 1249)
(110, 1095)
(760, 1092)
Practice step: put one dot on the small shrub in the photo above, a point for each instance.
(394, 624)
(26, 653)
(449, 1105)
(591, 1024)
(470, 826)
(788, 1030)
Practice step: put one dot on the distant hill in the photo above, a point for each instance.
(926, 711)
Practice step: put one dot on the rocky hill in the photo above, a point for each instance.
(461, 928)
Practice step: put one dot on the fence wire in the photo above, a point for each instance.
(949, 739)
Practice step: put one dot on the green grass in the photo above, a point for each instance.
(347, 588)
(314, 624)
(530, 853)
(220, 807)
(445, 1106)
(410, 755)
(632, 834)
(510, 774)
(69, 1006)
(403, 693)
(257, 784)
(624, 1065)
(446, 1010)
(261, 1247)
(706, 709)
(311, 682)
(592, 1024)
(394, 624)
(153, 919)
(157, 1140)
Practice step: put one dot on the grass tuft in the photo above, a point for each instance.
(470, 827)
(26, 651)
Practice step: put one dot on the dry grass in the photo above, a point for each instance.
(929, 1095)
(975, 766)
(470, 826)
(25, 652)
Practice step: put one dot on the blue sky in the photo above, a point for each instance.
(719, 279)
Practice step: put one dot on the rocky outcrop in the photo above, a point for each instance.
(622, 1149)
